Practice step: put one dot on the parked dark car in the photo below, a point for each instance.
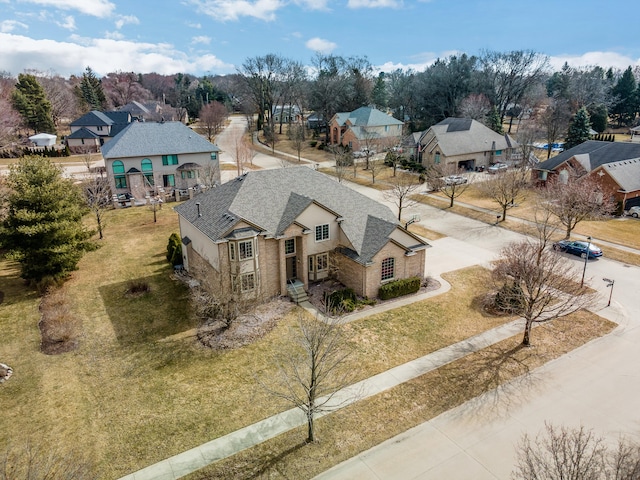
(578, 248)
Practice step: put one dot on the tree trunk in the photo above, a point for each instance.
(451, 201)
(527, 332)
(568, 232)
(310, 428)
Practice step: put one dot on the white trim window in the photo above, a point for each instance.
(245, 249)
(248, 282)
(388, 270)
(322, 232)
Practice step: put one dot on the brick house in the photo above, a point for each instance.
(269, 230)
(617, 165)
(365, 127)
(466, 143)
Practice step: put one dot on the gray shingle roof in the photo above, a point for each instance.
(273, 199)
(141, 139)
(367, 117)
(83, 133)
(593, 154)
(625, 173)
(460, 136)
(93, 118)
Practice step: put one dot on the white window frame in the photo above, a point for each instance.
(243, 246)
(322, 232)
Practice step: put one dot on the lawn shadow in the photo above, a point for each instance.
(151, 315)
(13, 288)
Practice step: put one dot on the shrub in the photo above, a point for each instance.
(341, 301)
(174, 250)
(59, 326)
(398, 288)
(138, 287)
(509, 298)
(313, 143)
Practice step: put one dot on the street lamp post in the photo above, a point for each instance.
(610, 284)
(586, 257)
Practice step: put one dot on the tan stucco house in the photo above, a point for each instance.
(466, 143)
(365, 127)
(147, 158)
(268, 230)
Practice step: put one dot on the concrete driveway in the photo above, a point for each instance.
(597, 385)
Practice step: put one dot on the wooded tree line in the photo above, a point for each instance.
(494, 87)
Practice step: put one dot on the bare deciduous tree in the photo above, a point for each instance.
(97, 192)
(402, 186)
(375, 168)
(343, 159)
(314, 369)
(507, 188)
(554, 120)
(562, 453)
(296, 135)
(212, 117)
(574, 199)
(441, 177)
(537, 283)
(475, 106)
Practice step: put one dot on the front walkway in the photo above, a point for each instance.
(247, 437)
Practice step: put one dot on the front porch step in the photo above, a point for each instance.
(296, 292)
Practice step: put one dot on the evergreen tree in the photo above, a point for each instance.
(90, 91)
(625, 91)
(379, 93)
(493, 120)
(598, 114)
(31, 102)
(578, 129)
(43, 227)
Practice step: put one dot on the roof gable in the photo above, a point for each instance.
(460, 136)
(593, 154)
(93, 118)
(274, 199)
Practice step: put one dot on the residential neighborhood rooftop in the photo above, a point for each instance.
(593, 154)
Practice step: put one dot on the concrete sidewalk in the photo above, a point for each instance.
(247, 437)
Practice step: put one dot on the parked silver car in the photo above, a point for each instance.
(634, 212)
(497, 168)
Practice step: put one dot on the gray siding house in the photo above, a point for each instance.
(158, 158)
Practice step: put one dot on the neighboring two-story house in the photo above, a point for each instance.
(269, 229)
(148, 158)
(466, 143)
(365, 128)
(94, 129)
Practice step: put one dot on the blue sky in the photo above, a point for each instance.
(215, 36)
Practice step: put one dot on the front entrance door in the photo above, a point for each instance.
(318, 267)
(292, 268)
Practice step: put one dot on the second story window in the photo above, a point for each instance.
(169, 159)
(245, 250)
(322, 232)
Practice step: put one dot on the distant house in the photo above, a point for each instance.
(151, 158)
(466, 143)
(94, 129)
(315, 121)
(365, 127)
(617, 164)
(154, 112)
(43, 140)
(269, 230)
(286, 114)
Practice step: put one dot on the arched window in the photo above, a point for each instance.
(118, 167)
(147, 165)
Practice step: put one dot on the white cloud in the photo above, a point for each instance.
(201, 39)
(114, 35)
(589, 59)
(126, 19)
(18, 53)
(7, 26)
(374, 3)
(321, 45)
(193, 25)
(224, 10)
(69, 23)
(314, 4)
(95, 8)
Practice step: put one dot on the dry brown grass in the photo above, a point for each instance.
(425, 232)
(59, 326)
(365, 424)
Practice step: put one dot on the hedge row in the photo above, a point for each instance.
(398, 288)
